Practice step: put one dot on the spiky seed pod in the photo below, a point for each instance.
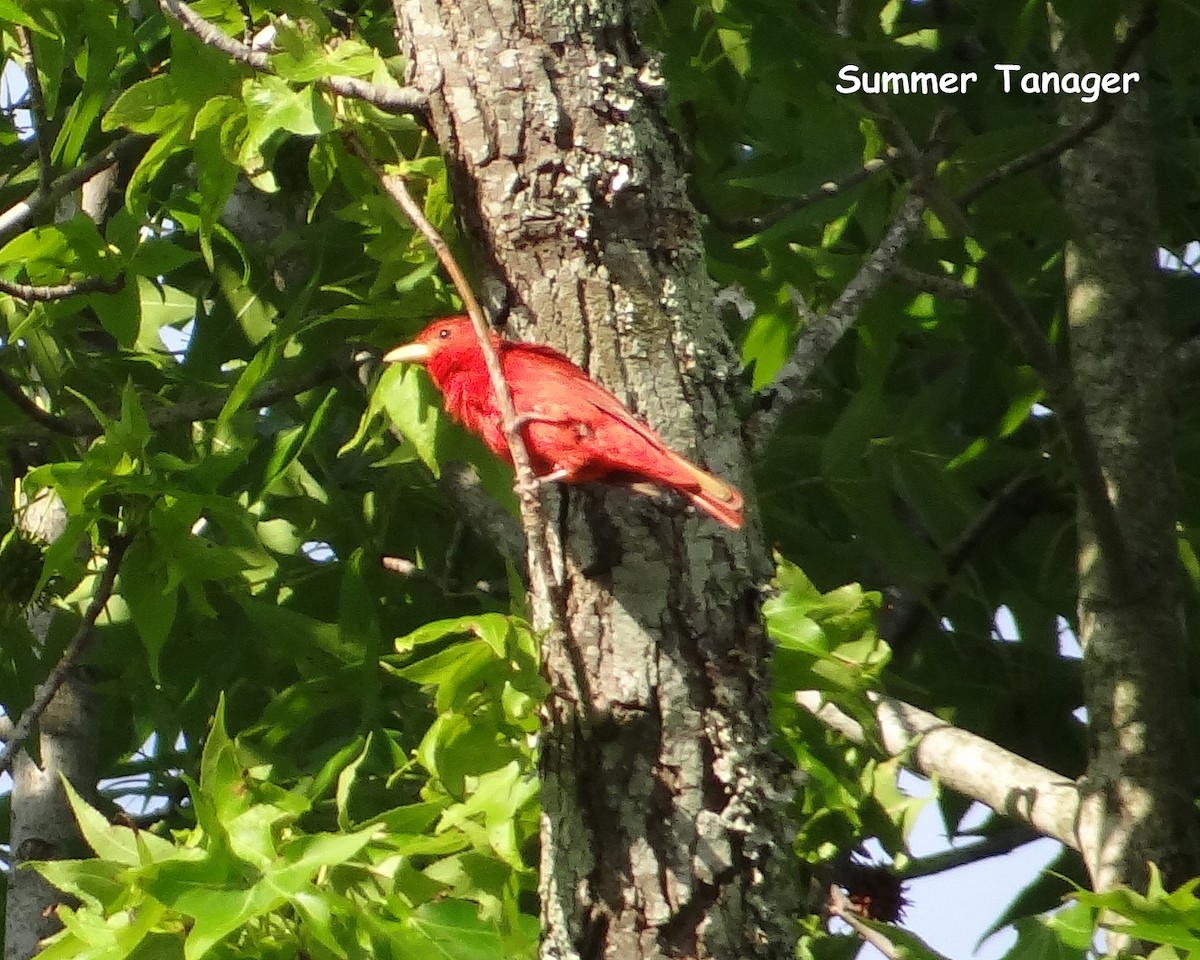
(875, 891)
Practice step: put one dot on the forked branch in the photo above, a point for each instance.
(391, 99)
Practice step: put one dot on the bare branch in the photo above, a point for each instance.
(42, 135)
(1068, 407)
(1105, 109)
(898, 624)
(819, 338)
(940, 285)
(826, 191)
(11, 389)
(391, 99)
(403, 567)
(1035, 347)
(33, 294)
(213, 36)
(845, 17)
(276, 392)
(16, 217)
(83, 636)
(973, 766)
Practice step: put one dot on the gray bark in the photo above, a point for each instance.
(42, 826)
(665, 827)
(1138, 793)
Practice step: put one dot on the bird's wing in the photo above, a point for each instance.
(550, 381)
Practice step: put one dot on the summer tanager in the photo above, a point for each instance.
(575, 430)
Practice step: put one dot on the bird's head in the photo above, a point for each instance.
(444, 347)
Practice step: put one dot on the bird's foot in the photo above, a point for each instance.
(522, 420)
(535, 483)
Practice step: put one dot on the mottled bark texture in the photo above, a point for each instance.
(1138, 793)
(665, 831)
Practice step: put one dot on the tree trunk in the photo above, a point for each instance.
(42, 825)
(1138, 797)
(665, 828)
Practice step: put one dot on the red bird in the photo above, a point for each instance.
(575, 430)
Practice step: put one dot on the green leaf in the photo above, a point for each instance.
(345, 784)
(291, 443)
(409, 401)
(116, 844)
(149, 106)
(495, 629)
(152, 600)
(160, 306)
(222, 775)
(452, 930)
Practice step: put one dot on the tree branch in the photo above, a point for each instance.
(898, 624)
(821, 333)
(83, 636)
(42, 135)
(1068, 408)
(542, 582)
(46, 294)
(1105, 110)
(973, 766)
(838, 905)
(15, 218)
(391, 99)
(11, 389)
(940, 285)
(827, 190)
(1035, 347)
(995, 846)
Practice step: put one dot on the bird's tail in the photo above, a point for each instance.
(714, 496)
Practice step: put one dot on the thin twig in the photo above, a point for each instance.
(11, 389)
(825, 191)
(83, 636)
(840, 906)
(46, 294)
(1069, 410)
(403, 567)
(391, 99)
(42, 134)
(533, 522)
(940, 285)
(1105, 109)
(898, 624)
(15, 218)
(1037, 350)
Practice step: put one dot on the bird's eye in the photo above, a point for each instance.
(444, 332)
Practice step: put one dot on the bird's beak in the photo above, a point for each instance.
(408, 353)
